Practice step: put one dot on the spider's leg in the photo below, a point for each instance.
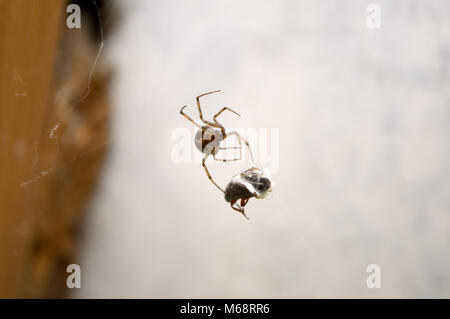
(239, 209)
(221, 111)
(201, 115)
(191, 120)
(209, 175)
(225, 159)
(240, 138)
(226, 148)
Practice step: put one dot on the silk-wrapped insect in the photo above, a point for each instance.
(253, 182)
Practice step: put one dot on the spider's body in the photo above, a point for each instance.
(210, 135)
(208, 139)
(252, 182)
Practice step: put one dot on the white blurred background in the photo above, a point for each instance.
(364, 124)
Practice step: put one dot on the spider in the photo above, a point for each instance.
(210, 135)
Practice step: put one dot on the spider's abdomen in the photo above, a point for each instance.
(207, 139)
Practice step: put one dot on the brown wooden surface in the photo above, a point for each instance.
(46, 174)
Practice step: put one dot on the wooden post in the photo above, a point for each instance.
(47, 171)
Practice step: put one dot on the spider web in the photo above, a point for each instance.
(53, 132)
